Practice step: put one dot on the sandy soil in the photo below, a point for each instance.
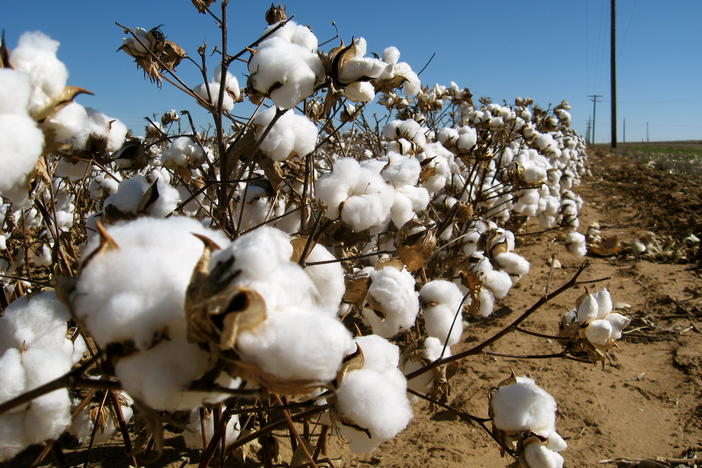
(646, 403)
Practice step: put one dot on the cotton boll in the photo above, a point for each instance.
(167, 201)
(441, 292)
(21, 144)
(587, 310)
(35, 55)
(368, 399)
(70, 125)
(604, 303)
(14, 92)
(441, 318)
(598, 332)
(291, 135)
(183, 151)
(512, 263)
(112, 131)
(209, 92)
(391, 55)
(359, 91)
(297, 345)
(575, 242)
(524, 406)
(392, 293)
(328, 278)
(378, 353)
(129, 194)
(161, 375)
(143, 281)
(12, 374)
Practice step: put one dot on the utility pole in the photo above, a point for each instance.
(613, 68)
(588, 129)
(594, 98)
(624, 136)
(647, 140)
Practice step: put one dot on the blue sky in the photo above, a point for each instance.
(547, 49)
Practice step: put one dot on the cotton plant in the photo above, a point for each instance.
(524, 418)
(36, 346)
(209, 92)
(370, 401)
(593, 326)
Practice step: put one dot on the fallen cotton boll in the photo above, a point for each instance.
(524, 406)
(575, 242)
(538, 455)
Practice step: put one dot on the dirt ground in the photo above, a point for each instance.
(648, 402)
(645, 403)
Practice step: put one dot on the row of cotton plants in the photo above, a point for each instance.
(298, 253)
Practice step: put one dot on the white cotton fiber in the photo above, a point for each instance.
(328, 278)
(439, 320)
(604, 302)
(209, 92)
(21, 144)
(598, 331)
(14, 92)
(587, 310)
(291, 135)
(35, 55)
(297, 345)
(512, 263)
(183, 151)
(368, 399)
(524, 406)
(537, 455)
(392, 293)
(378, 353)
(137, 291)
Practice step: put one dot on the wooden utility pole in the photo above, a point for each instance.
(613, 68)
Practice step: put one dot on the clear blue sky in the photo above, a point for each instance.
(547, 49)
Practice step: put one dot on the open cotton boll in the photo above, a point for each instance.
(371, 400)
(142, 282)
(14, 92)
(441, 292)
(297, 345)
(70, 125)
(391, 55)
(286, 65)
(21, 144)
(598, 332)
(192, 435)
(524, 406)
(231, 84)
(35, 55)
(359, 91)
(512, 263)
(392, 293)
(604, 302)
(498, 282)
(291, 135)
(112, 131)
(160, 376)
(366, 197)
(378, 353)
(183, 151)
(328, 278)
(209, 92)
(129, 194)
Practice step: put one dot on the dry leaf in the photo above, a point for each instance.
(356, 289)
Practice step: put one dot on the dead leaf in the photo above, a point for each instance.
(356, 289)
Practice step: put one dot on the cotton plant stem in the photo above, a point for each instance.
(295, 433)
(479, 348)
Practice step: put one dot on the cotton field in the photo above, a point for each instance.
(300, 271)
